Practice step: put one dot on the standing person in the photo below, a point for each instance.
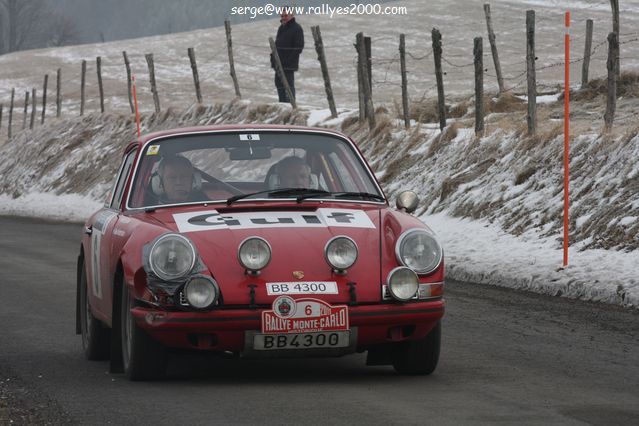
(289, 42)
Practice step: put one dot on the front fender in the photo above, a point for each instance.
(394, 223)
(133, 274)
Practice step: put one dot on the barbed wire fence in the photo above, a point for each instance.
(76, 92)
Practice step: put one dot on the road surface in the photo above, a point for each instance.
(507, 357)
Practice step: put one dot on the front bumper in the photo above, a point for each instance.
(226, 329)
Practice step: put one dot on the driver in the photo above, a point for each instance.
(178, 181)
(294, 173)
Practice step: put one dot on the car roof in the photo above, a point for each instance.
(231, 127)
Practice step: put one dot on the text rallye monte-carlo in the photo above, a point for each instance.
(261, 241)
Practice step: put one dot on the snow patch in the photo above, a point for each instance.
(66, 207)
(480, 252)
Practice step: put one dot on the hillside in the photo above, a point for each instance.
(496, 201)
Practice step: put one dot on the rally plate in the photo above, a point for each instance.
(304, 315)
(332, 339)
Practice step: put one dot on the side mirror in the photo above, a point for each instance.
(407, 201)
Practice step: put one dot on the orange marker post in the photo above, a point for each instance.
(135, 101)
(567, 139)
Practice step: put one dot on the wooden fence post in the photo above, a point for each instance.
(369, 62)
(154, 89)
(58, 95)
(319, 48)
(82, 85)
(196, 77)
(587, 53)
(128, 80)
(478, 51)
(1, 108)
(441, 101)
(33, 108)
(493, 47)
(26, 109)
(531, 117)
(44, 97)
(13, 95)
(361, 75)
(402, 65)
(229, 45)
(368, 98)
(280, 71)
(360, 86)
(615, 29)
(98, 65)
(611, 65)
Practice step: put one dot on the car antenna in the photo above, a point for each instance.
(135, 100)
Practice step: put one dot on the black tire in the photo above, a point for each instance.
(418, 357)
(142, 357)
(95, 336)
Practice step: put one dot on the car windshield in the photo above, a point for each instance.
(230, 166)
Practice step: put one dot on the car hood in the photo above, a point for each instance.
(297, 236)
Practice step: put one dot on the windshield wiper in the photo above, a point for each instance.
(281, 191)
(341, 195)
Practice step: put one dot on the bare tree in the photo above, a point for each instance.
(2, 25)
(31, 24)
(62, 32)
(23, 20)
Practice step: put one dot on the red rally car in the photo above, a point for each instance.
(261, 241)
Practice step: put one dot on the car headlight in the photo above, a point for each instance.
(403, 283)
(341, 253)
(418, 250)
(254, 254)
(201, 292)
(172, 257)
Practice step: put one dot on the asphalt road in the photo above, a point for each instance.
(507, 357)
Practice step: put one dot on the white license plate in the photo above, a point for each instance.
(323, 339)
(301, 287)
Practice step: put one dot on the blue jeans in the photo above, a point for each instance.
(281, 92)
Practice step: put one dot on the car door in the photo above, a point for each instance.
(102, 237)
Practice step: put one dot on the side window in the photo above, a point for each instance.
(125, 171)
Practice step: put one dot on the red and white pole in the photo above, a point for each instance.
(567, 139)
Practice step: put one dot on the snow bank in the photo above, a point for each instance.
(65, 207)
(479, 252)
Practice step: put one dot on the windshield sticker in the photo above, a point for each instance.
(250, 137)
(212, 220)
(153, 150)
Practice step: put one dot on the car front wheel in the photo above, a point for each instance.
(143, 358)
(95, 337)
(418, 356)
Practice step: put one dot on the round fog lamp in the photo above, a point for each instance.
(201, 292)
(403, 283)
(341, 253)
(254, 254)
